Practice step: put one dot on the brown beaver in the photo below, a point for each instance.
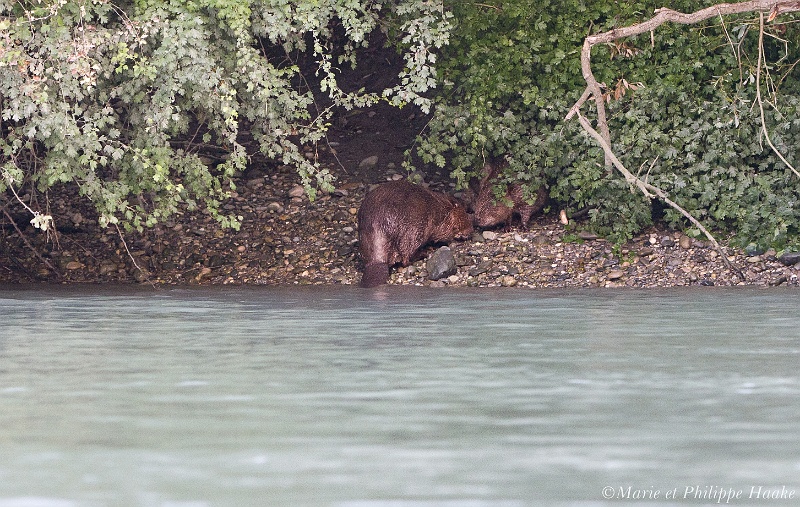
(397, 219)
(490, 211)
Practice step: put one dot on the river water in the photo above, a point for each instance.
(398, 397)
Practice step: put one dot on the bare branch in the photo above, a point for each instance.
(760, 100)
(30, 246)
(663, 15)
(652, 191)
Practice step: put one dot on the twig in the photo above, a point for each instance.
(31, 247)
(130, 255)
(758, 95)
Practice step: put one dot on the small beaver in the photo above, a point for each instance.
(490, 212)
(397, 219)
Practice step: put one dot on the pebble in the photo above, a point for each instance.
(368, 163)
(107, 267)
(508, 281)
(275, 207)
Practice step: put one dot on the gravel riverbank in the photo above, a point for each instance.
(287, 240)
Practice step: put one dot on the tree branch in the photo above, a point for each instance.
(759, 98)
(652, 191)
(663, 15)
(30, 246)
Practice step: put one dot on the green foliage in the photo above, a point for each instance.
(143, 104)
(682, 112)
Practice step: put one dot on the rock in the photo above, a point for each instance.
(275, 207)
(481, 268)
(685, 242)
(254, 183)
(297, 191)
(615, 275)
(667, 241)
(107, 267)
(341, 216)
(441, 264)
(779, 281)
(369, 162)
(489, 235)
(73, 265)
(141, 276)
(789, 258)
(508, 281)
(587, 235)
(753, 250)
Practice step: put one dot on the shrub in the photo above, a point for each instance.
(143, 104)
(681, 107)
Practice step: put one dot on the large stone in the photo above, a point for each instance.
(441, 264)
(789, 258)
(369, 162)
(508, 281)
(481, 268)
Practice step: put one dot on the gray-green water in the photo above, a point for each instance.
(389, 398)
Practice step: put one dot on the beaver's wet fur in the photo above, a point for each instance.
(490, 212)
(397, 219)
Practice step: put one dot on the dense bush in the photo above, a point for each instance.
(143, 104)
(681, 104)
(148, 106)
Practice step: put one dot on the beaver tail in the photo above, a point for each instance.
(376, 273)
